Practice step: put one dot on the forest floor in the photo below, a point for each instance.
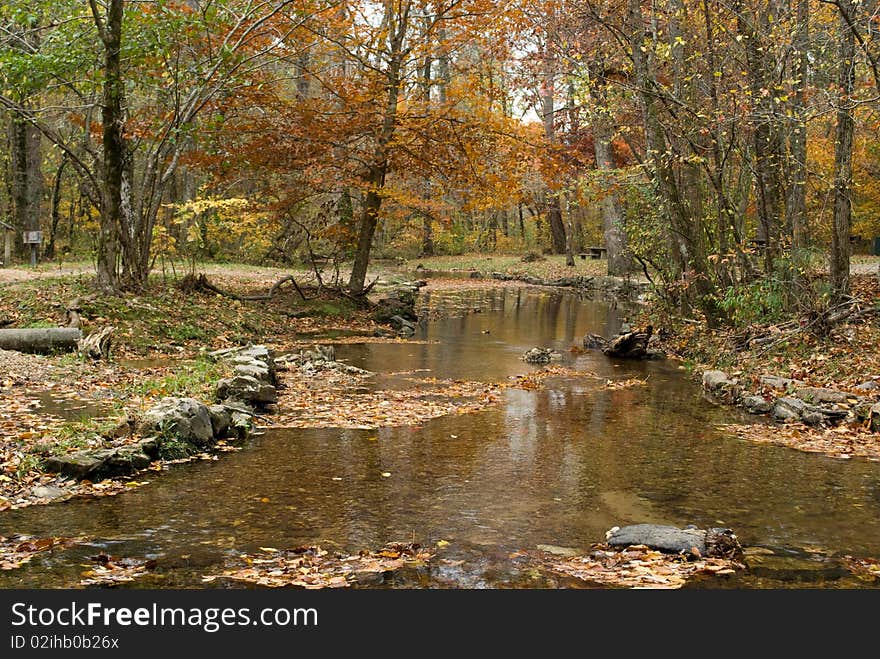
(842, 356)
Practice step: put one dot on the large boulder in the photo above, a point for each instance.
(673, 540)
(185, 419)
(246, 389)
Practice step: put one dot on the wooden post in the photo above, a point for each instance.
(7, 249)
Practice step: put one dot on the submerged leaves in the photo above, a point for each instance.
(17, 550)
(312, 567)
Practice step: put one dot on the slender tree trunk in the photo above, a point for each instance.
(766, 132)
(56, 202)
(796, 202)
(27, 178)
(554, 211)
(114, 145)
(723, 206)
(686, 233)
(366, 230)
(612, 216)
(843, 146)
(375, 179)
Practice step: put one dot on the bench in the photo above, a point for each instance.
(593, 253)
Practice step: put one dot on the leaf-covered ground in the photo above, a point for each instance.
(842, 358)
(634, 567)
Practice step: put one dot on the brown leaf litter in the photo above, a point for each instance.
(634, 567)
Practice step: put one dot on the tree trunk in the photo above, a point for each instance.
(114, 146)
(766, 131)
(843, 146)
(686, 232)
(366, 230)
(554, 211)
(554, 219)
(27, 178)
(796, 202)
(56, 202)
(377, 172)
(619, 263)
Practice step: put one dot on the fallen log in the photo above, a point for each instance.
(40, 339)
(630, 345)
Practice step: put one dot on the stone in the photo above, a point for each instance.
(874, 417)
(813, 418)
(241, 424)
(47, 492)
(254, 370)
(220, 420)
(246, 389)
(403, 326)
(715, 380)
(540, 355)
(673, 540)
(821, 395)
(594, 342)
(187, 419)
(788, 409)
(870, 385)
(756, 405)
(97, 465)
(400, 302)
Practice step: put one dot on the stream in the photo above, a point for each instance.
(556, 466)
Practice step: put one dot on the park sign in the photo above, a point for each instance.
(32, 237)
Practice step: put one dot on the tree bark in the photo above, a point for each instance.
(843, 146)
(548, 111)
(796, 201)
(378, 170)
(619, 263)
(114, 145)
(27, 178)
(766, 131)
(56, 202)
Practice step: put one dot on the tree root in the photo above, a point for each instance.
(201, 283)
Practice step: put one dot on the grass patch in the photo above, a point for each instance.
(191, 379)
